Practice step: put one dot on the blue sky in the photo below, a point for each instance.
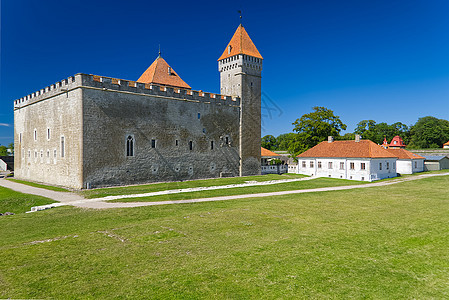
(386, 60)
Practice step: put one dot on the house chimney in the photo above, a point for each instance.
(357, 138)
(330, 139)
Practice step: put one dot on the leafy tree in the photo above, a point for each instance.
(284, 140)
(269, 142)
(313, 128)
(429, 132)
(3, 151)
(11, 147)
(370, 130)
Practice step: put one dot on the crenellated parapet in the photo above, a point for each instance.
(124, 86)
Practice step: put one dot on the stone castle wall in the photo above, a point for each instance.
(95, 115)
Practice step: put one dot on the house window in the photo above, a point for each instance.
(380, 166)
(211, 145)
(388, 166)
(351, 166)
(342, 166)
(363, 178)
(311, 164)
(416, 164)
(191, 145)
(153, 143)
(130, 146)
(329, 165)
(62, 147)
(319, 165)
(362, 166)
(304, 164)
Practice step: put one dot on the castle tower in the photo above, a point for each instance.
(240, 68)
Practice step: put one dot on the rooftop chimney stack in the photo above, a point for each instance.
(357, 138)
(330, 139)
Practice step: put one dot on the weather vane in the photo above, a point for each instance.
(240, 13)
(159, 50)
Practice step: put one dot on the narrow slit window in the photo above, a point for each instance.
(176, 143)
(48, 133)
(211, 145)
(153, 143)
(191, 145)
(62, 147)
(130, 146)
(199, 116)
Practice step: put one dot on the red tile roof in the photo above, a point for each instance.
(446, 144)
(352, 149)
(266, 152)
(241, 43)
(161, 73)
(404, 154)
(398, 140)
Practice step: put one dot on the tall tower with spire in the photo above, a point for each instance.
(240, 68)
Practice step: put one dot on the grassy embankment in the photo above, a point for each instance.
(381, 242)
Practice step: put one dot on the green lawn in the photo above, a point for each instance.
(154, 187)
(15, 202)
(298, 185)
(39, 185)
(382, 242)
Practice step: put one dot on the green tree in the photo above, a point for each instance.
(370, 130)
(429, 132)
(313, 128)
(3, 151)
(284, 140)
(269, 142)
(11, 148)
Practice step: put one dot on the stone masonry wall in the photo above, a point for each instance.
(113, 110)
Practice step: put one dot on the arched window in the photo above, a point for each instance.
(130, 146)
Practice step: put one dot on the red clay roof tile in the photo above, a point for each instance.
(161, 73)
(240, 43)
(404, 154)
(353, 149)
(266, 152)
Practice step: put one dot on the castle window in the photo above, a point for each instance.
(48, 153)
(62, 147)
(199, 116)
(54, 153)
(211, 145)
(20, 137)
(153, 143)
(130, 146)
(204, 130)
(229, 49)
(35, 134)
(191, 145)
(176, 143)
(48, 133)
(29, 153)
(227, 140)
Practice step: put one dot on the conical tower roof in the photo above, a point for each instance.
(161, 73)
(240, 43)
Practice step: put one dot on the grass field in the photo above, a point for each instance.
(298, 185)
(39, 185)
(381, 242)
(15, 202)
(155, 187)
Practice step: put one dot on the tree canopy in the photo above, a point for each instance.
(376, 132)
(429, 132)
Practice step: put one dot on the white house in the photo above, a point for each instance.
(408, 162)
(357, 160)
(446, 145)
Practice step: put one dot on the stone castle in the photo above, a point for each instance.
(90, 131)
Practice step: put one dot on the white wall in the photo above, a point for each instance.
(407, 166)
(372, 170)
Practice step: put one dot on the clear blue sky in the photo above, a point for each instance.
(386, 60)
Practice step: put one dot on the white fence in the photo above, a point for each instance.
(274, 169)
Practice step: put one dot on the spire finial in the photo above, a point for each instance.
(159, 50)
(240, 13)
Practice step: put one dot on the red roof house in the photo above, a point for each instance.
(397, 143)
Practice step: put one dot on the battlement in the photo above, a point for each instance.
(125, 86)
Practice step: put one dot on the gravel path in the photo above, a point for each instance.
(67, 198)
